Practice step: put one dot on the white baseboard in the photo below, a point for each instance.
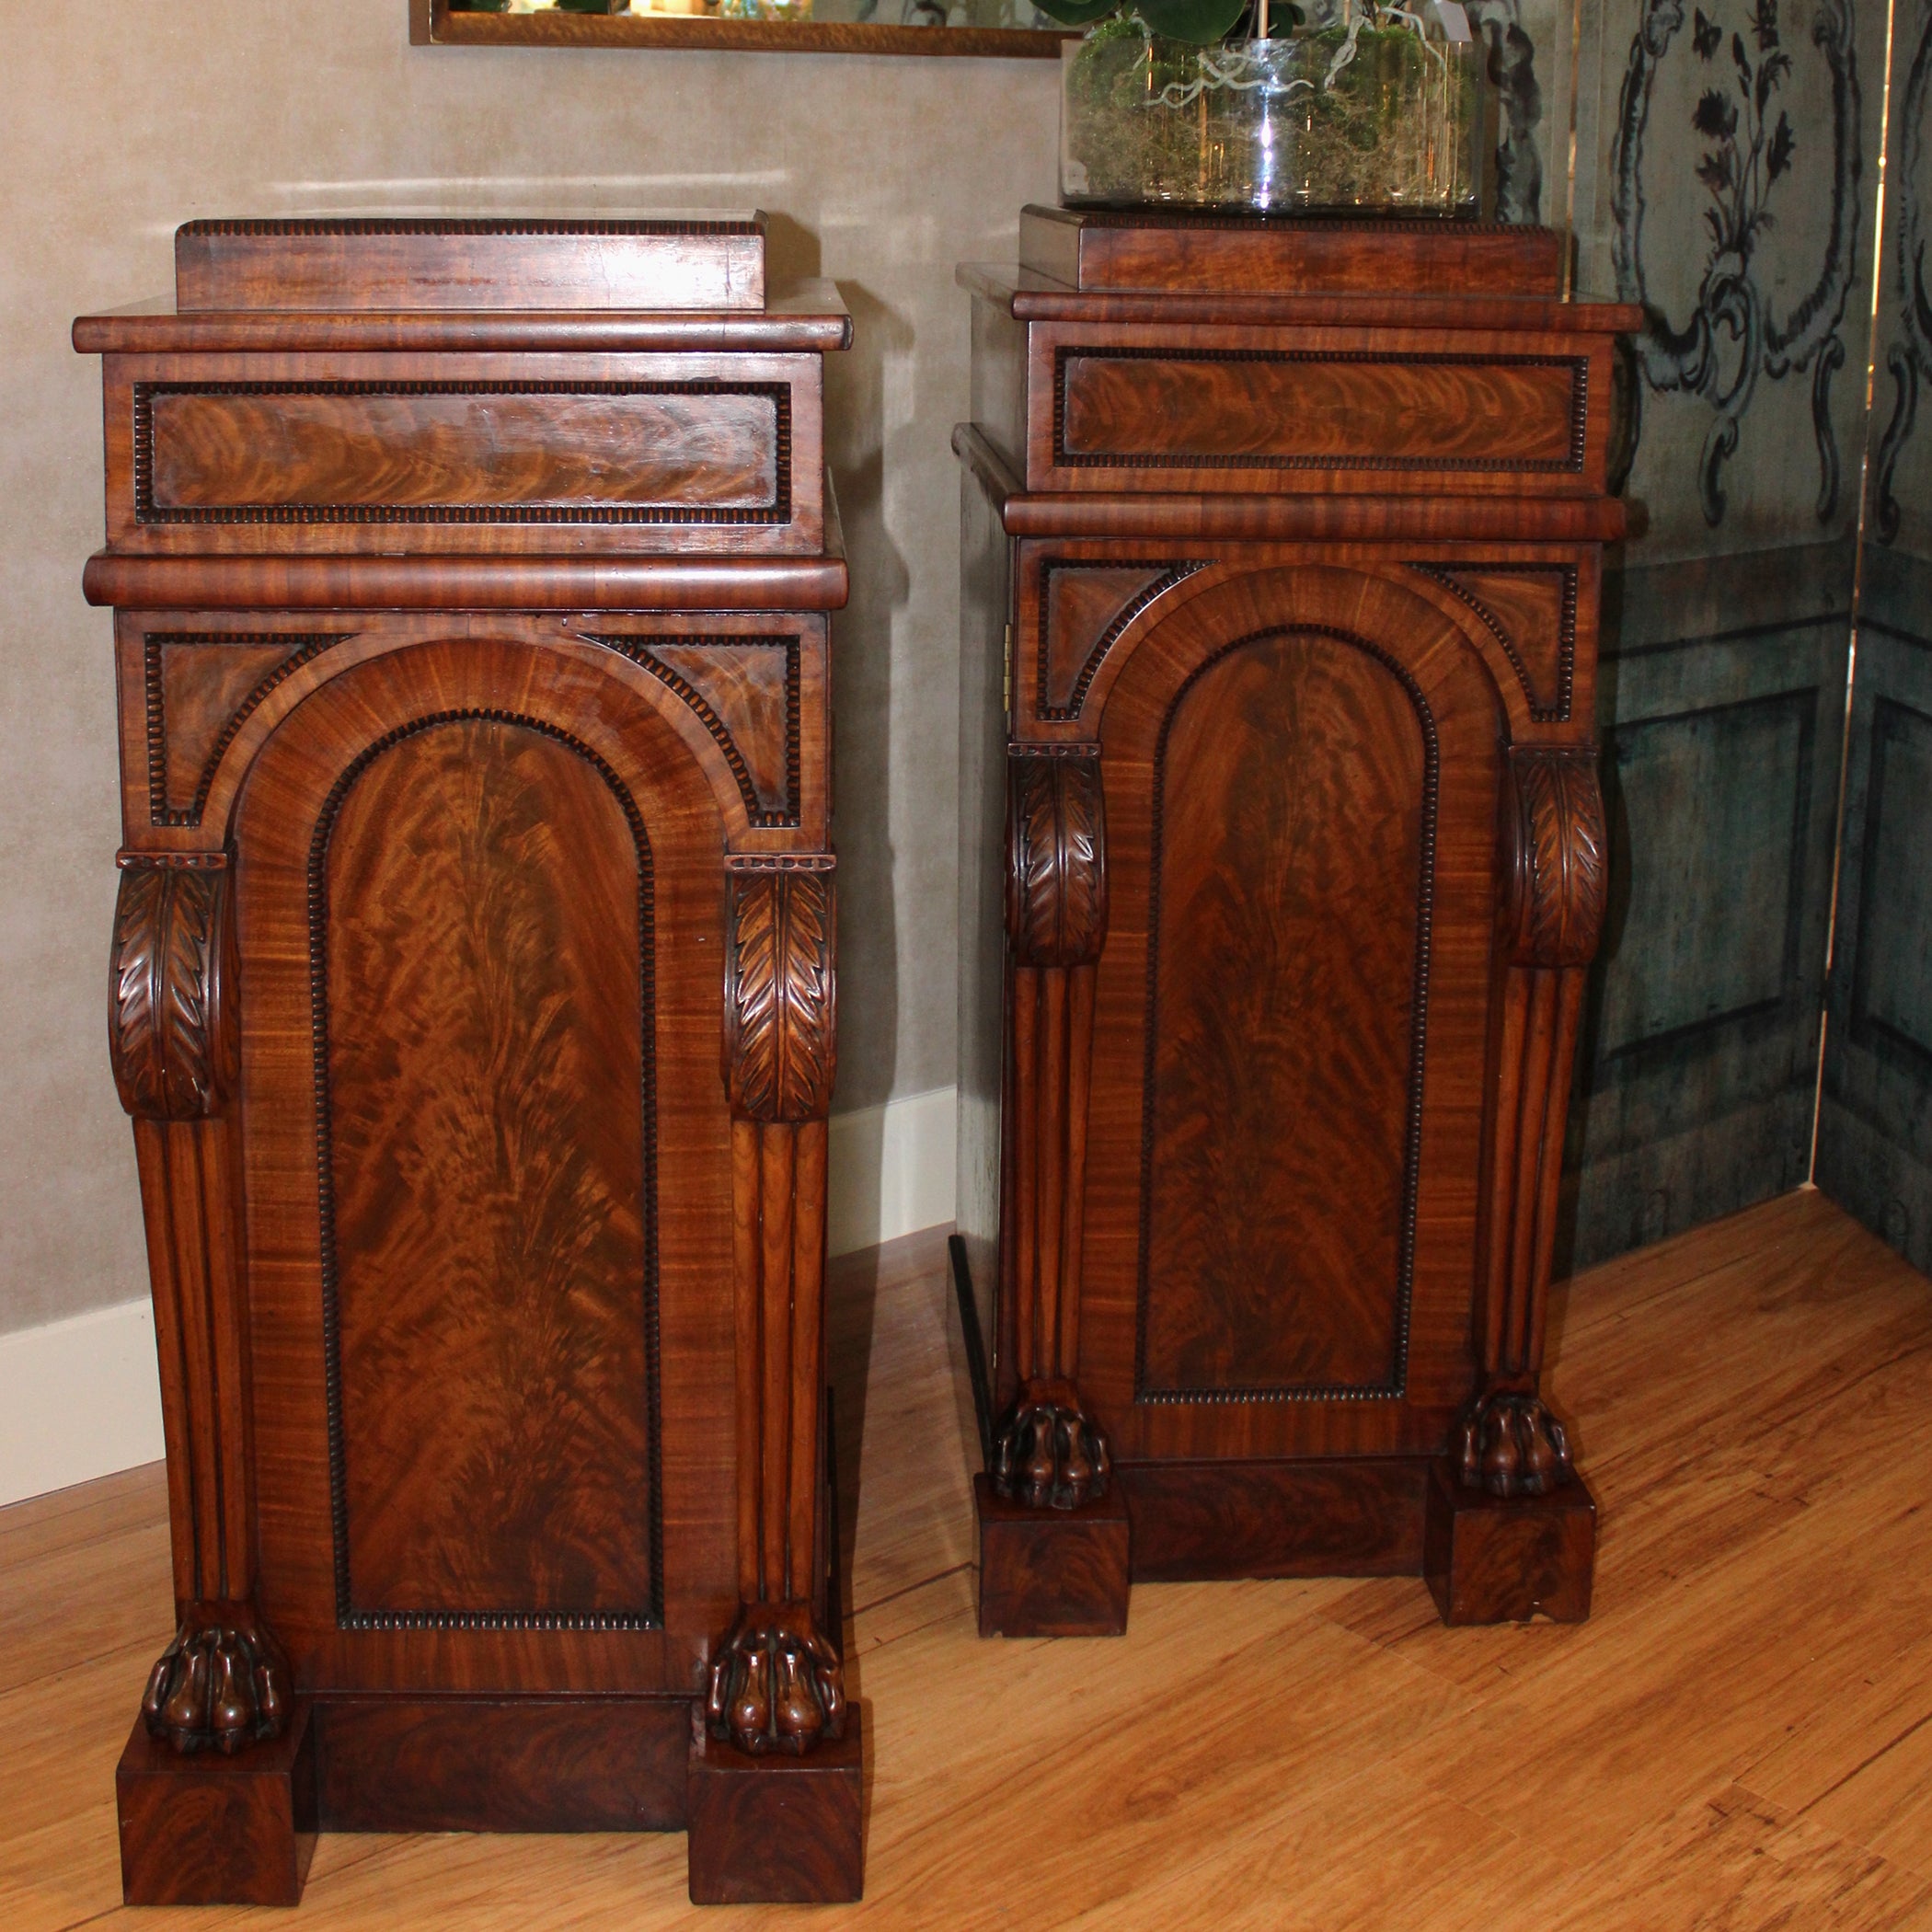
(82, 1398)
(891, 1169)
(78, 1398)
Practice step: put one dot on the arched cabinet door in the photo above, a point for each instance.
(1301, 768)
(488, 1163)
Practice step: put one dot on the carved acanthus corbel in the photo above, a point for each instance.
(1047, 1450)
(1556, 870)
(1553, 879)
(780, 1043)
(775, 1682)
(171, 1009)
(1056, 856)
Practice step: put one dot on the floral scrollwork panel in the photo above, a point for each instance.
(1763, 170)
(1908, 358)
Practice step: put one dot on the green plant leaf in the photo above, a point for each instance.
(1198, 23)
(1078, 13)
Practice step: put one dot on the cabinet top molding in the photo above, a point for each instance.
(446, 283)
(1027, 295)
(1126, 251)
(506, 411)
(443, 262)
(809, 316)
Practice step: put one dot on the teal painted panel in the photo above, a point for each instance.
(1875, 1120)
(1891, 984)
(1722, 704)
(1716, 877)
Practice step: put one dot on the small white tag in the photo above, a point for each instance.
(1455, 22)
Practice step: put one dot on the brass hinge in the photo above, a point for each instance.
(1005, 681)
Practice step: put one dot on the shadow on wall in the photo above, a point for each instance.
(861, 676)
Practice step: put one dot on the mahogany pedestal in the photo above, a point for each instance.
(788, 1831)
(1492, 1562)
(472, 994)
(1051, 1572)
(204, 1828)
(1281, 865)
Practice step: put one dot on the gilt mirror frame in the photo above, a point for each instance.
(436, 23)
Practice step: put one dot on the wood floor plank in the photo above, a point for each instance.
(907, 1445)
(1880, 1705)
(1732, 1862)
(1357, 1856)
(1099, 1767)
(1617, 1288)
(1740, 1739)
(1664, 1701)
(1885, 1803)
(83, 1514)
(60, 1738)
(118, 1592)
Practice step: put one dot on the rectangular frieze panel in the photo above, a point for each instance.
(478, 452)
(1260, 409)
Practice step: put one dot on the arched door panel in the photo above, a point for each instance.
(1294, 798)
(487, 1179)
(1291, 1014)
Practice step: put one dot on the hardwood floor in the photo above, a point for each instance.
(1740, 1738)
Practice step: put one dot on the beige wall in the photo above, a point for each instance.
(121, 121)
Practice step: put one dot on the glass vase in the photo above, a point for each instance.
(1321, 119)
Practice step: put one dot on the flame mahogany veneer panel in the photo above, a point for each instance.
(416, 455)
(1308, 410)
(1296, 792)
(510, 1765)
(196, 684)
(1206, 407)
(1531, 613)
(322, 450)
(1084, 608)
(1262, 1097)
(484, 918)
(486, 1147)
(750, 689)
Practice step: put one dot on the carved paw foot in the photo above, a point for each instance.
(1510, 1445)
(777, 1684)
(221, 1683)
(1046, 1454)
